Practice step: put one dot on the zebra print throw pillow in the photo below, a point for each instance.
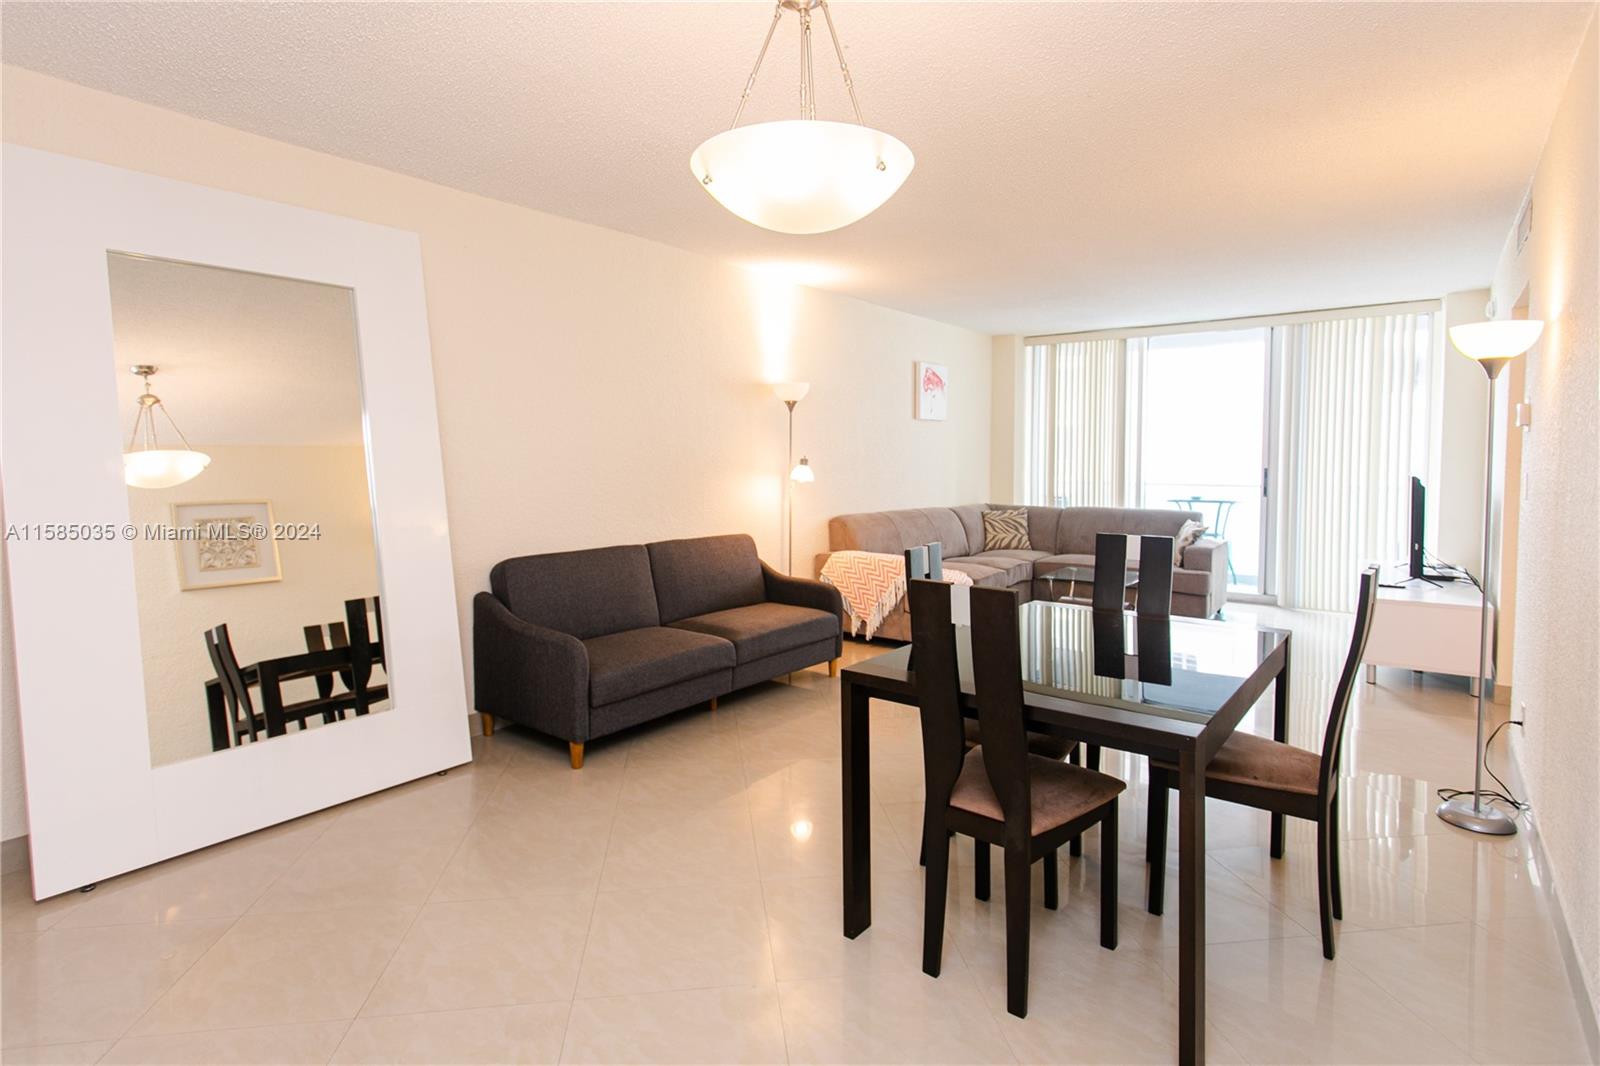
(1005, 529)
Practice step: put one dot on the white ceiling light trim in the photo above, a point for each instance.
(802, 175)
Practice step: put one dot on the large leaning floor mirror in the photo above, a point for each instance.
(255, 565)
(232, 596)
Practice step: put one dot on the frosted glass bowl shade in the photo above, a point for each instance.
(802, 175)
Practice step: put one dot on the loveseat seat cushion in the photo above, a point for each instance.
(764, 629)
(705, 574)
(581, 593)
(641, 660)
(1016, 562)
(980, 573)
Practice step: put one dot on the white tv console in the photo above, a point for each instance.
(1427, 627)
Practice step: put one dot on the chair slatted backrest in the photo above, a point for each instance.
(997, 682)
(362, 649)
(1333, 736)
(1110, 571)
(1155, 577)
(938, 681)
(335, 638)
(220, 647)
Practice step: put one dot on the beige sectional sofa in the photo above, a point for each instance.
(1060, 536)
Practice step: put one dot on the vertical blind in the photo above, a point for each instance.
(1353, 403)
(1355, 430)
(1076, 421)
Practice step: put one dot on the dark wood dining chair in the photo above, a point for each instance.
(925, 561)
(236, 682)
(326, 638)
(1281, 779)
(997, 793)
(334, 636)
(268, 676)
(1154, 596)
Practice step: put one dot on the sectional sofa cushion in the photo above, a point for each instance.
(1076, 527)
(764, 629)
(891, 532)
(1056, 562)
(642, 660)
(705, 574)
(980, 573)
(1017, 563)
(581, 593)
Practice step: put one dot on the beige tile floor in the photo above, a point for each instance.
(678, 901)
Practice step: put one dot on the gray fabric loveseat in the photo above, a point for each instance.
(1059, 536)
(585, 643)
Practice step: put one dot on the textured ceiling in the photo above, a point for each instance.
(243, 358)
(1078, 165)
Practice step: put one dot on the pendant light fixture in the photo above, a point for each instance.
(803, 175)
(147, 465)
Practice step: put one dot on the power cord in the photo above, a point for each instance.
(1442, 565)
(1505, 796)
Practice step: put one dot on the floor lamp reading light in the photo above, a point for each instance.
(1493, 344)
(791, 393)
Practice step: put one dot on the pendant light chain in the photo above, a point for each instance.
(844, 67)
(808, 87)
(750, 83)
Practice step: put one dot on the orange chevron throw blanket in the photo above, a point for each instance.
(872, 584)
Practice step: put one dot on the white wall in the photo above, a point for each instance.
(1005, 420)
(1455, 482)
(1557, 652)
(594, 388)
(325, 485)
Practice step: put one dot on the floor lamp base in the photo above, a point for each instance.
(1479, 817)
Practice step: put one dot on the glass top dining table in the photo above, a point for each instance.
(1169, 688)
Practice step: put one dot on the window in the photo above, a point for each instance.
(1295, 441)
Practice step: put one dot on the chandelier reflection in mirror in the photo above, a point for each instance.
(804, 175)
(146, 464)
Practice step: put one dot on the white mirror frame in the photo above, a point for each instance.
(96, 807)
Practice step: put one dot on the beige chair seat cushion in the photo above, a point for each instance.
(1045, 744)
(1061, 792)
(1247, 759)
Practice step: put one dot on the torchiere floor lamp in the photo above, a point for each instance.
(1493, 344)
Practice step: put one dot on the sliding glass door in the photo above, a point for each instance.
(1294, 440)
(1203, 438)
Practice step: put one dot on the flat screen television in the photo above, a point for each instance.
(1417, 512)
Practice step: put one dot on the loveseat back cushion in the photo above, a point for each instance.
(892, 532)
(1077, 527)
(705, 574)
(582, 593)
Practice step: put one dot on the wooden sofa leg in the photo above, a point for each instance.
(576, 752)
(713, 703)
(833, 667)
(488, 723)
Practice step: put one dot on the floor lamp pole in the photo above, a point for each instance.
(788, 487)
(1472, 813)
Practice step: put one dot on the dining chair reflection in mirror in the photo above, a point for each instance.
(267, 676)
